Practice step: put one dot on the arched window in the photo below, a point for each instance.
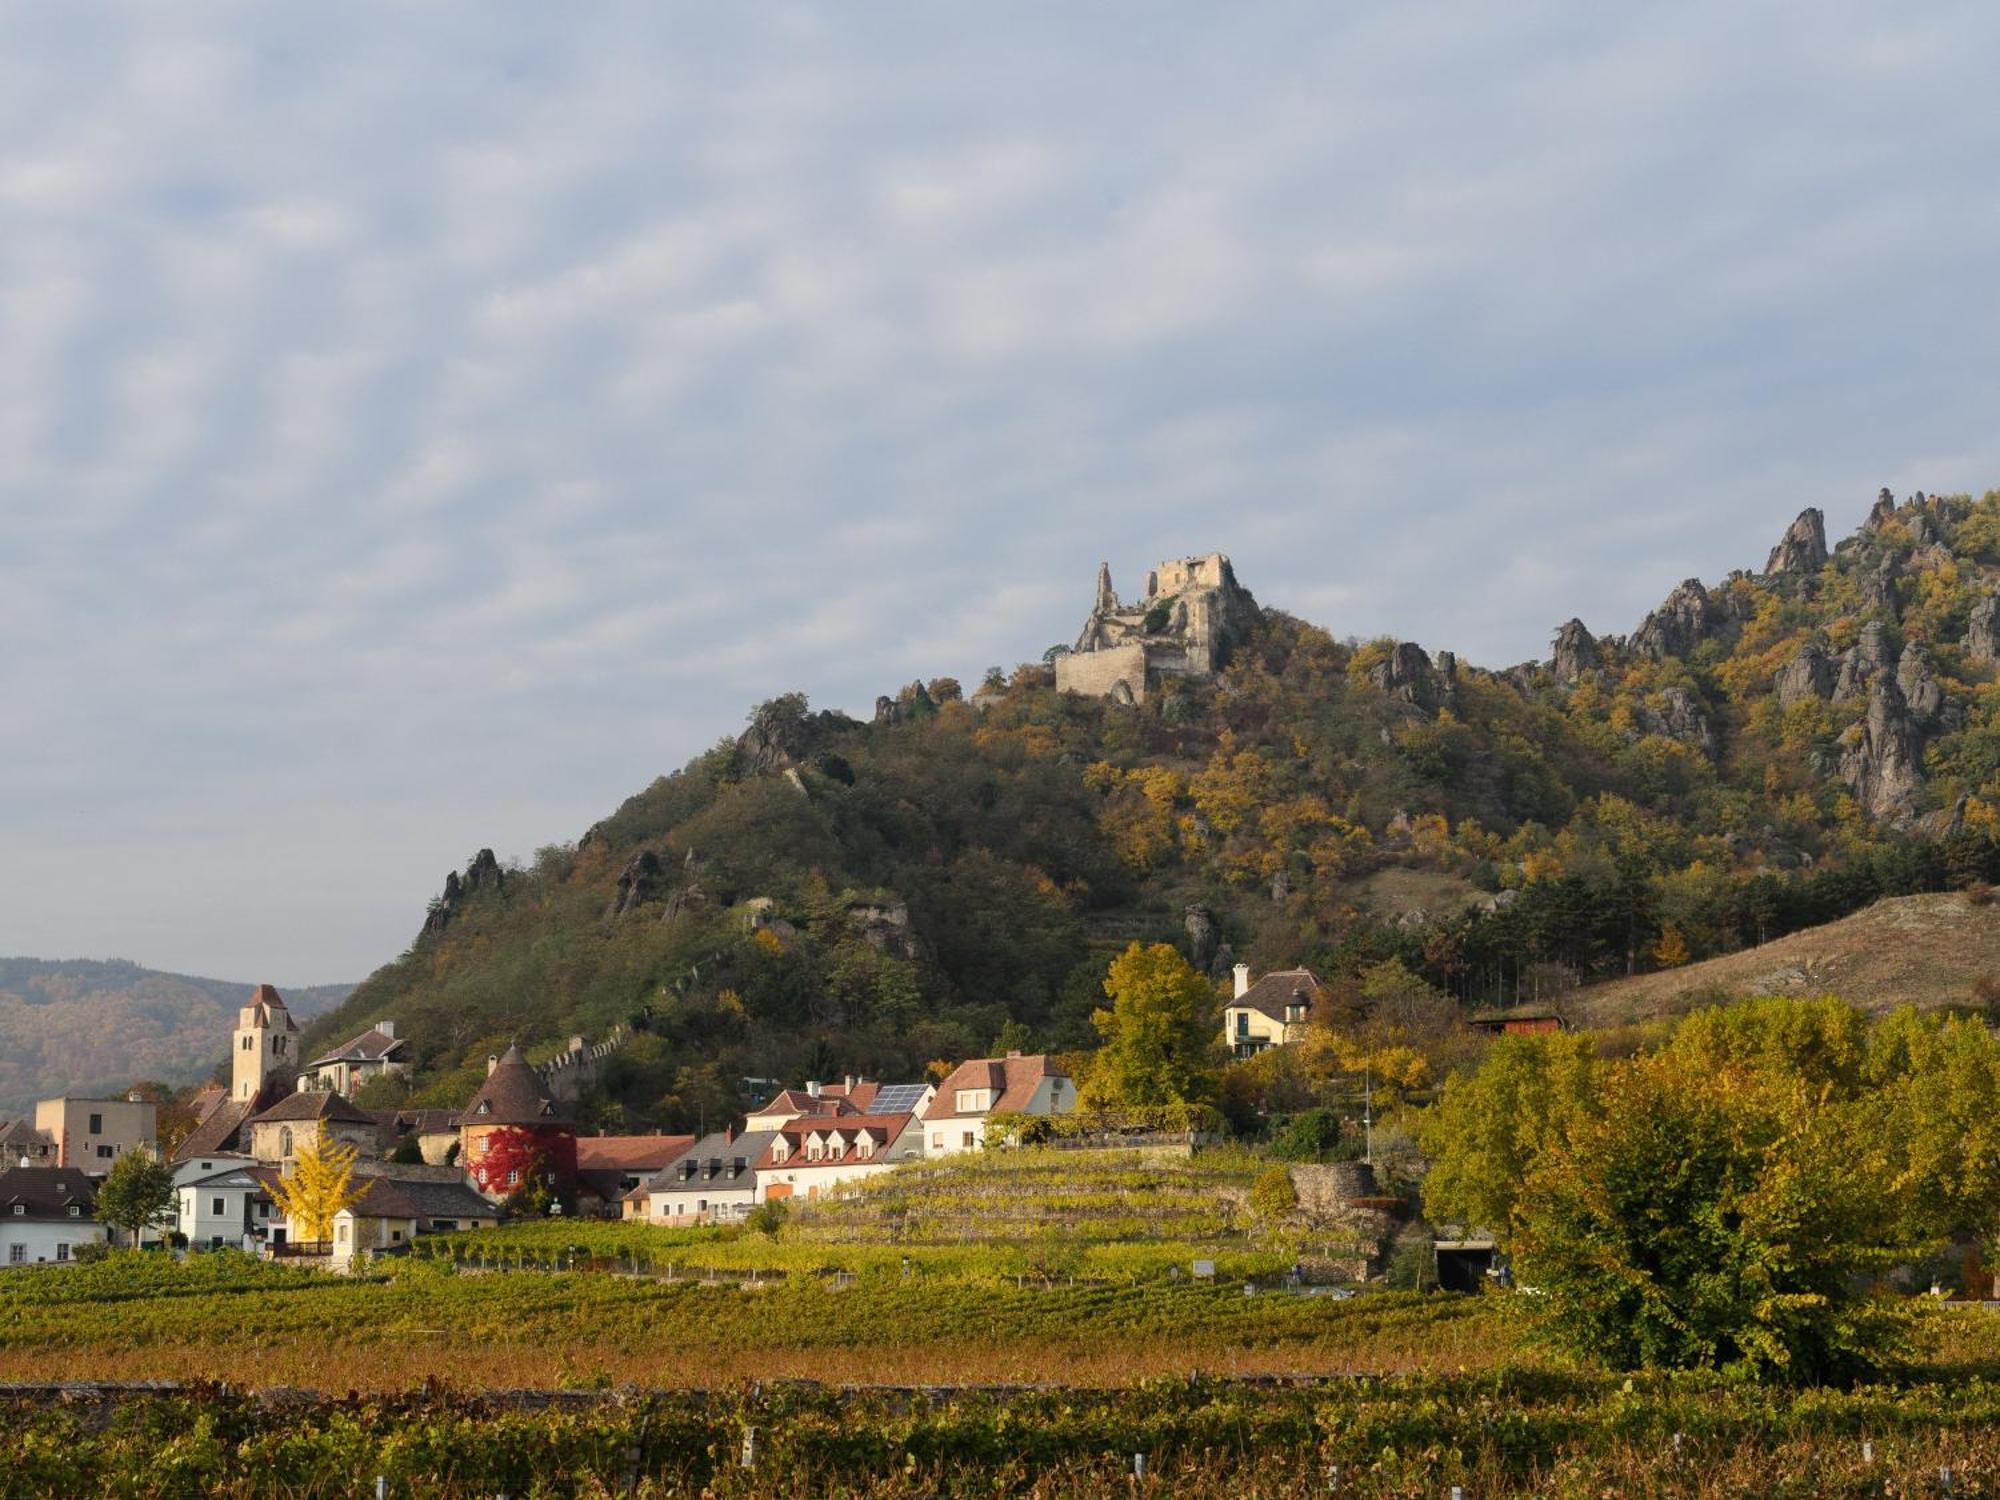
(285, 1141)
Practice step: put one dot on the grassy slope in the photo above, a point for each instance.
(1910, 950)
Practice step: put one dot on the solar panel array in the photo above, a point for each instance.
(897, 1098)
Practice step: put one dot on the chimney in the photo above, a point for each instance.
(492, 1062)
(850, 1083)
(812, 1088)
(1015, 1053)
(387, 1028)
(729, 1132)
(1242, 980)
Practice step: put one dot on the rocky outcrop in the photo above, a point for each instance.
(482, 873)
(1573, 653)
(1878, 587)
(1680, 624)
(1982, 630)
(885, 927)
(638, 883)
(1801, 551)
(1680, 716)
(782, 734)
(1407, 673)
(1883, 762)
(914, 702)
(1916, 680)
(1883, 512)
(1863, 662)
(1809, 674)
(1203, 939)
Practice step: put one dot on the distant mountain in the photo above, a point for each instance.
(80, 1026)
(824, 895)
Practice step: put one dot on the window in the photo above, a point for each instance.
(263, 1210)
(937, 1140)
(285, 1141)
(865, 1147)
(974, 1101)
(105, 1153)
(340, 1233)
(20, 1209)
(396, 1236)
(97, 1125)
(966, 1140)
(76, 1211)
(62, 1251)
(1243, 1023)
(278, 1045)
(17, 1253)
(514, 1178)
(247, 1043)
(216, 1207)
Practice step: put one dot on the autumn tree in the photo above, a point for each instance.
(137, 1194)
(319, 1185)
(1161, 1034)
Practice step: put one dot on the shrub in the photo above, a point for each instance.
(1272, 1195)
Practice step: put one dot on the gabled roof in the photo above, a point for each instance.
(794, 1102)
(257, 1179)
(1012, 1079)
(885, 1128)
(1277, 990)
(419, 1121)
(383, 1199)
(268, 1009)
(220, 1132)
(714, 1151)
(316, 1104)
(46, 1193)
(513, 1094)
(371, 1046)
(630, 1153)
(21, 1134)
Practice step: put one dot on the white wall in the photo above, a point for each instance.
(37, 1239)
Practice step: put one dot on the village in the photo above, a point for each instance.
(398, 1174)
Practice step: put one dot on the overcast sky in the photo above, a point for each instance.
(421, 425)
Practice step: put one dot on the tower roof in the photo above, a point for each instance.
(513, 1094)
(267, 1008)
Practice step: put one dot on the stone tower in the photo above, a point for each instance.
(266, 1041)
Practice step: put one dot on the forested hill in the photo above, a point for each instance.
(823, 896)
(81, 1026)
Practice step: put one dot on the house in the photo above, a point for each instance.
(608, 1167)
(392, 1210)
(955, 1120)
(1270, 1012)
(851, 1096)
(1517, 1022)
(91, 1134)
(376, 1053)
(513, 1099)
(262, 1071)
(281, 1132)
(45, 1215)
(715, 1180)
(22, 1145)
(810, 1155)
(232, 1207)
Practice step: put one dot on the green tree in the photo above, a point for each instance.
(137, 1194)
(1488, 1128)
(1698, 1218)
(1161, 1034)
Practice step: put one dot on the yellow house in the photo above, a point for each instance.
(1268, 1013)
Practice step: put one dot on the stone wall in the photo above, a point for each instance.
(1098, 673)
(1325, 1191)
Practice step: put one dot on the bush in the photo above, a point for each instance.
(1310, 1135)
(1272, 1195)
(90, 1254)
(768, 1217)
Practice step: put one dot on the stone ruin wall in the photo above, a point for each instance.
(1098, 673)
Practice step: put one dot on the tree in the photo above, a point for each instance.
(1672, 950)
(319, 1185)
(1488, 1128)
(531, 1170)
(137, 1194)
(1161, 1034)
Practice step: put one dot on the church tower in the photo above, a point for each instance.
(266, 1040)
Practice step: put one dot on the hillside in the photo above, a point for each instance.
(824, 894)
(1910, 950)
(80, 1026)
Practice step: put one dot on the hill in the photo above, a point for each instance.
(1910, 950)
(81, 1026)
(824, 894)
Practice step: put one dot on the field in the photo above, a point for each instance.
(1909, 950)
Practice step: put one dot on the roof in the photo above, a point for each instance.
(1012, 1079)
(885, 1128)
(382, 1199)
(247, 1178)
(23, 1133)
(630, 1153)
(803, 1102)
(898, 1098)
(513, 1094)
(269, 1008)
(418, 1121)
(714, 1151)
(46, 1192)
(371, 1046)
(424, 1200)
(1277, 990)
(218, 1133)
(316, 1104)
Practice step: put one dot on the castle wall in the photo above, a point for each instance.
(1188, 573)
(1096, 673)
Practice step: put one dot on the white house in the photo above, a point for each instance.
(811, 1155)
(1012, 1085)
(715, 1181)
(376, 1053)
(393, 1211)
(232, 1207)
(45, 1215)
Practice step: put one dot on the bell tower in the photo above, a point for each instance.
(266, 1040)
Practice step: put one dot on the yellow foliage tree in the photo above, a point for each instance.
(1672, 950)
(319, 1185)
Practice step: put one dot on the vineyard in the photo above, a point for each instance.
(1496, 1435)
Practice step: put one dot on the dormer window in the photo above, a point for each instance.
(75, 1212)
(485, 1107)
(20, 1210)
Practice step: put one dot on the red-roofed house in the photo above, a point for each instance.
(610, 1166)
(1012, 1085)
(813, 1153)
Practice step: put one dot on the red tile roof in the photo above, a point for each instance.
(513, 1094)
(1011, 1079)
(630, 1153)
(885, 1128)
(265, 999)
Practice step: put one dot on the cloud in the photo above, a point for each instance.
(419, 428)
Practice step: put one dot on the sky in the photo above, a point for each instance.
(421, 425)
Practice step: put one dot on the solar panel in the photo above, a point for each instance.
(897, 1098)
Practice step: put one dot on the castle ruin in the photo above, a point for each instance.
(1193, 613)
